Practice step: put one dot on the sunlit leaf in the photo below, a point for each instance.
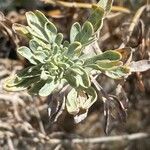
(26, 52)
(71, 102)
(59, 39)
(96, 17)
(108, 55)
(108, 65)
(21, 29)
(51, 31)
(36, 24)
(75, 29)
(74, 48)
(85, 34)
(48, 88)
(118, 73)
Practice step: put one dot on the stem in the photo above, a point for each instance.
(83, 5)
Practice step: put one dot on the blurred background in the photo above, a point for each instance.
(24, 121)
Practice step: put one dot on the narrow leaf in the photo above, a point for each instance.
(26, 52)
(59, 39)
(75, 29)
(85, 34)
(71, 102)
(118, 73)
(96, 17)
(48, 88)
(73, 48)
(51, 31)
(108, 55)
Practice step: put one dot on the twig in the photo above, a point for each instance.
(129, 137)
(83, 5)
(38, 116)
(135, 20)
(99, 88)
(10, 143)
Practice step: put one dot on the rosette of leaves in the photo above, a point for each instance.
(55, 61)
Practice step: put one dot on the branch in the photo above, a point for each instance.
(83, 5)
(130, 137)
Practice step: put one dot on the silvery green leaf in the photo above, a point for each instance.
(96, 17)
(71, 102)
(29, 72)
(108, 65)
(63, 65)
(36, 23)
(66, 43)
(51, 31)
(48, 88)
(33, 44)
(105, 4)
(72, 80)
(35, 35)
(18, 84)
(11, 83)
(118, 73)
(59, 39)
(41, 18)
(37, 42)
(90, 41)
(26, 52)
(44, 76)
(40, 56)
(108, 55)
(22, 30)
(37, 46)
(83, 78)
(85, 34)
(36, 86)
(75, 70)
(56, 49)
(92, 97)
(75, 29)
(74, 48)
(92, 67)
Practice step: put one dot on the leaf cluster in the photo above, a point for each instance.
(56, 61)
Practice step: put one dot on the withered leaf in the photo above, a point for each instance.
(140, 66)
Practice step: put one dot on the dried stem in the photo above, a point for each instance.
(135, 20)
(130, 137)
(83, 5)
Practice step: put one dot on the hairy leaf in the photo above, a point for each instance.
(118, 73)
(71, 102)
(22, 30)
(48, 88)
(96, 17)
(85, 34)
(26, 52)
(51, 31)
(108, 55)
(59, 39)
(75, 29)
(74, 48)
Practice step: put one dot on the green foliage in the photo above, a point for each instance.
(55, 62)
